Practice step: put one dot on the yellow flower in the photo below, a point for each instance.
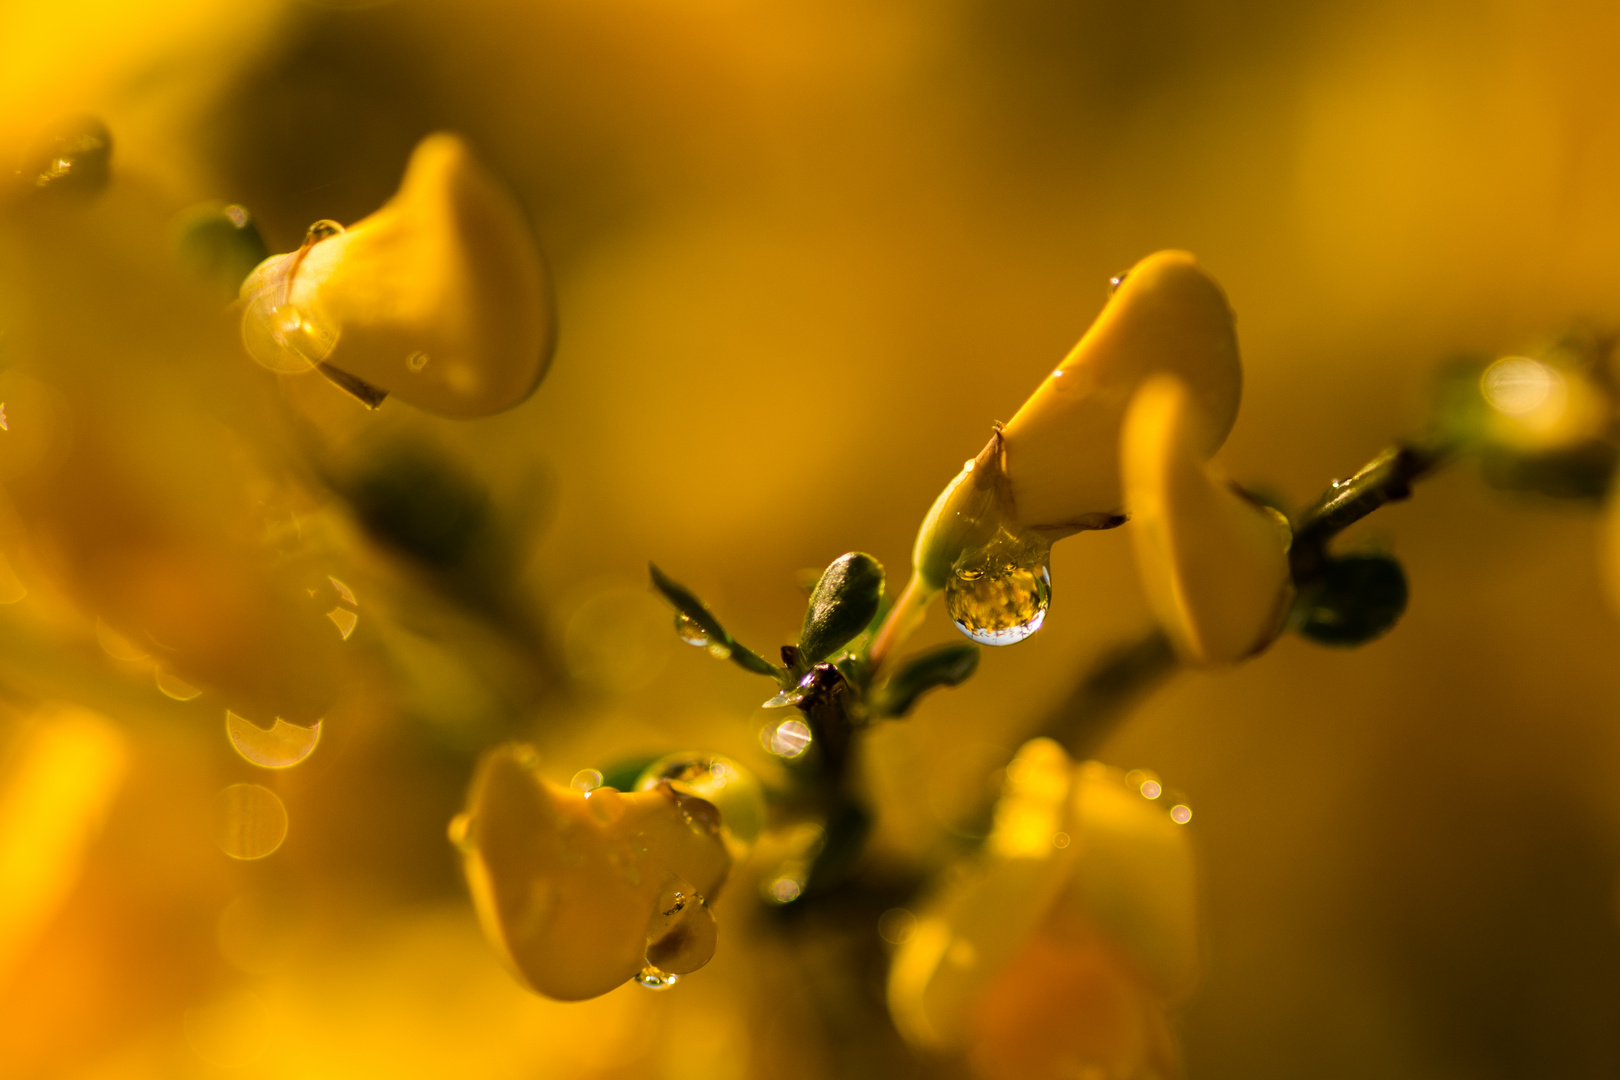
(1214, 561)
(439, 298)
(1059, 953)
(580, 891)
(1054, 468)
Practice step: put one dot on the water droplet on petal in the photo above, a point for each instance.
(656, 979)
(999, 594)
(784, 890)
(250, 821)
(279, 747)
(586, 780)
(323, 229)
(691, 632)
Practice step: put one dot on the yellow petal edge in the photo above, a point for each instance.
(1214, 563)
(580, 891)
(1062, 446)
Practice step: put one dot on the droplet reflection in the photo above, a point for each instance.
(1181, 813)
(691, 632)
(279, 747)
(655, 979)
(999, 594)
(586, 780)
(173, 686)
(250, 821)
(1518, 385)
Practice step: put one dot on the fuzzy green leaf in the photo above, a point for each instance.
(843, 603)
(1356, 599)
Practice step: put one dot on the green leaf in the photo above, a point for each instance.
(948, 665)
(1358, 598)
(844, 601)
(688, 605)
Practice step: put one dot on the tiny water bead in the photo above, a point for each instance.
(656, 979)
(250, 821)
(280, 746)
(789, 739)
(691, 633)
(586, 780)
(999, 594)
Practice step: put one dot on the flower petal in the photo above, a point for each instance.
(1062, 447)
(1214, 562)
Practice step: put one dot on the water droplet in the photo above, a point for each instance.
(345, 593)
(323, 229)
(279, 747)
(690, 631)
(417, 361)
(173, 686)
(1181, 813)
(344, 619)
(74, 158)
(1060, 840)
(250, 821)
(785, 889)
(788, 739)
(605, 804)
(1116, 281)
(586, 780)
(655, 978)
(719, 651)
(999, 594)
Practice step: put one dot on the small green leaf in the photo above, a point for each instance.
(1358, 598)
(842, 605)
(948, 665)
(688, 605)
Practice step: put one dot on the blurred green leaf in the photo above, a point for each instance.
(220, 245)
(948, 665)
(1357, 598)
(422, 505)
(843, 603)
(687, 604)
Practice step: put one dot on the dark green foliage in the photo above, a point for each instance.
(1355, 599)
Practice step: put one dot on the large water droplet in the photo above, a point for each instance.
(279, 747)
(999, 594)
(691, 632)
(250, 821)
(655, 978)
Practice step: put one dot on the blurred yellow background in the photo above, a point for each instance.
(804, 255)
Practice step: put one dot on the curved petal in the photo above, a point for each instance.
(1213, 561)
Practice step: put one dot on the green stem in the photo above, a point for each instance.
(904, 618)
(1386, 478)
(1119, 679)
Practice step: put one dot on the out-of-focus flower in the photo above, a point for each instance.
(439, 298)
(1054, 468)
(1058, 954)
(1214, 561)
(582, 890)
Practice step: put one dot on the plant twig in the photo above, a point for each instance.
(1119, 679)
(1386, 478)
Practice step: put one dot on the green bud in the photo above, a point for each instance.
(842, 605)
(1356, 599)
(967, 514)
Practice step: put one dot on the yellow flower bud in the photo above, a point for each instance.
(580, 891)
(439, 298)
(1053, 469)
(1062, 948)
(1214, 562)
